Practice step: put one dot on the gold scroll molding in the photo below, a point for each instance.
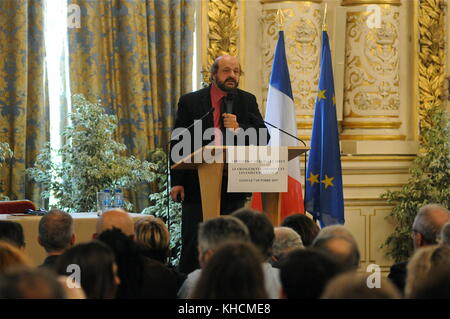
(431, 57)
(222, 32)
(366, 2)
(288, 1)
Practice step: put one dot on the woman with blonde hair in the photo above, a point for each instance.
(425, 263)
(152, 236)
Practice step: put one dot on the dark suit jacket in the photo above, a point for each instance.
(193, 106)
(398, 275)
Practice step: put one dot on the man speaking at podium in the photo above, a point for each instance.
(228, 109)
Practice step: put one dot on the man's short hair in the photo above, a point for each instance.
(285, 239)
(216, 231)
(260, 229)
(427, 225)
(347, 253)
(445, 234)
(12, 232)
(56, 230)
(304, 273)
(353, 285)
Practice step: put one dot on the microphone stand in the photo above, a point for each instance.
(168, 166)
(293, 136)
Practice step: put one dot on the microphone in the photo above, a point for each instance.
(190, 126)
(229, 103)
(279, 129)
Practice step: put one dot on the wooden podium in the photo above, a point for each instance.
(210, 175)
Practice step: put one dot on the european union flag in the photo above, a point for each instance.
(323, 198)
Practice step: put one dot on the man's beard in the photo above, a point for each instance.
(221, 85)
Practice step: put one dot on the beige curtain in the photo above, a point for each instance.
(23, 94)
(136, 56)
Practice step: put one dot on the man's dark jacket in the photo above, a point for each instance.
(193, 106)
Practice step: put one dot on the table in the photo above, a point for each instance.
(84, 224)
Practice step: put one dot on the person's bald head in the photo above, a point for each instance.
(341, 248)
(428, 224)
(115, 218)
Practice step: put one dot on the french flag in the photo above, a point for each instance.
(280, 111)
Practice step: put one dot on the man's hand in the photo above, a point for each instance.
(229, 121)
(177, 193)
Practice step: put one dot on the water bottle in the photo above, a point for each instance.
(118, 201)
(107, 200)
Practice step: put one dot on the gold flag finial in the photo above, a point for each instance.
(280, 19)
(324, 25)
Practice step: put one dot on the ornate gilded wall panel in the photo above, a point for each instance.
(372, 80)
(302, 28)
(222, 32)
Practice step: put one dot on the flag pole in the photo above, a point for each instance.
(324, 23)
(280, 19)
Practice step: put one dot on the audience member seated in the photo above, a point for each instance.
(24, 283)
(140, 277)
(427, 226)
(12, 232)
(233, 272)
(153, 239)
(343, 250)
(115, 218)
(304, 226)
(56, 235)
(304, 273)
(262, 236)
(444, 237)
(97, 269)
(212, 234)
(436, 287)
(353, 285)
(286, 239)
(425, 263)
(12, 257)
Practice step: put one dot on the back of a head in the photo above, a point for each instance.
(95, 262)
(12, 232)
(216, 231)
(115, 218)
(353, 285)
(304, 226)
(153, 237)
(436, 287)
(260, 228)
(340, 248)
(11, 257)
(36, 283)
(445, 234)
(56, 231)
(286, 239)
(305, 272)
(424, 264)
(335, 230)
(429, 222)
(233, 272)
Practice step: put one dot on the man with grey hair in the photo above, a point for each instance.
(115, 218)
(445, 234)
(56, 235)
(211, 235)
(286, 239)
(339, 242)
(426, 229)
